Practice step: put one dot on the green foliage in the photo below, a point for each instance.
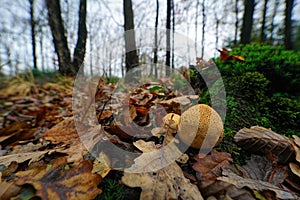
(111, 190)
(264, 90)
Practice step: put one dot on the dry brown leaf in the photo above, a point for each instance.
(167, 183)
(183, 100)
(101, 165)
(262, 168)
(156, 183)
(297, 140)
(63, 132)
(8, 190)
(22, 157)
(240, 182)
(61, 183)
(210, 166)
(295, 169)
(260, 140)
(154, 157)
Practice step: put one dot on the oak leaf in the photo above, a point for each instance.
(62, 183)
(260, 140)
(160, 183)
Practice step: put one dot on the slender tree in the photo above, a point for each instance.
(33, 35)
(203, 27)
(247, 21)
(196, 25)
(173, 33)
(130, 45)
(272, 26)
(289, 4)
(168, 38)
(263, 23)
(155, 38)
(66, 65)
(236, 27)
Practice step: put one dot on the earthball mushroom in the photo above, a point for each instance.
(201, 127)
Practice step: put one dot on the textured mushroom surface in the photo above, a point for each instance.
(201, 127)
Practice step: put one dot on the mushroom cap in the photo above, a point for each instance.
(201, 127)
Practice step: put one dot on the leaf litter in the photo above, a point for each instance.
(40, 148)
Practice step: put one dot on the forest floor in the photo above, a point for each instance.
(44, 152)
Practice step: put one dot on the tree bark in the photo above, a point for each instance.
(288, 24)
(168, 38)
(80, 48)
(155, 39)
(59, 38)
(263, 23)
(247, 21)
(272, 26)
(130, 45)
(236, 10)
(33, 36)
(203, 28)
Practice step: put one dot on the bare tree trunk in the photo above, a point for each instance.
(203, 28)
(130, 45)
(79, 52)
(236, 10)
(59, 38)
(196, 25)
(272, 20)
(288, 24)
(33, 38)
(263, 23)
(155, 39)
(173, 33)
(247, 21)
(168, 41)
(66, 65)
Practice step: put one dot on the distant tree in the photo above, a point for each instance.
(168, 38)
(272, 24)
(203, 28)
(289, 4)
(33, 33)
(247, 21)
(155, 38)
(132, 59)
(236, 24)
(263, 23)
(67, 66)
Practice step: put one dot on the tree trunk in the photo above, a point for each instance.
(196, 26)
(79, 52)
(203, 28)
(155, 39)
(168, 38)
(32, 24)
(173, 34)
(236, 10)
(263, 23)
(59, 38)
(288, 24)
(130, 45)
(247, 21)
(272, 20)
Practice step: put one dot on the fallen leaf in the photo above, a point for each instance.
(208, 168)
(60, 183)
(8, 190)
(154, 156)
(295, 169)
(260, 140)
(101, 165)
(240, 182)
(63, 132)
(296, 140)
(167, 183)
(262, 168)
(22, 157)
(157, 182)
